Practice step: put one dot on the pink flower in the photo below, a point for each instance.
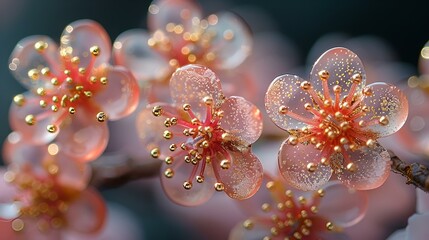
(44, 195)
(178, 35)
(204, 138)
(281, 213)
(73, 90)
(334, 121)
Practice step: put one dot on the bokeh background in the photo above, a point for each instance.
(402, 25)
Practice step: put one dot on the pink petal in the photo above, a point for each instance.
(422, 201)
(286, 91)
(25, 58)
(417, 227)
(120, 96)
(230, 40)
(79, 36)
(341, 64)
(242, 119)
(30, 231)
(8, 233)
(8, 208)
(259, 230)
(372, 168)
(19, 152)
(173, 187)
(244, 176)
(253, 206)
(342, 205)
(88, 213)
(72, 173)
(424, 60)
(162, 12)
(293, 161)
(132, 51)
(386, 101)
(36, 133)
(398, 235)
(191, 83)
(82, 136)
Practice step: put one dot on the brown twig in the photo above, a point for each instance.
(417, 174)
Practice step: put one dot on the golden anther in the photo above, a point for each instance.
(54, 81)
(45, 71)
(67, 72)
(79, 88)
(103, 80)
(343, 140)
(293, 140)
(54, 108)
(351, 167)
(55, 99)
(357, 78)
(18, 225)
(72, 110)
(169, 173)
(370, 143)
(30, 119)
(308, 106)
(319, 145)
(225, 164)
(169, 160)
(69, 80)
(367, 91)
(314, 209)
(352, 147)
(208, 129)
(43, 103)
(337, 89)
(186, 132)
(248, 224)
(345, 125)
(219, 114)
(324, 161)
(305, 130)
(172, 147)
(304, 214)
(297, 235)
(266, 207)
(270, 185)
(101, 117)
(313, 140)
(40, 46)
(383, 120)
(19, 100)
(75, 60)
(281, 206)
(51, 128)
(321, 192)
(329, 226)
(323, 75)
(302, 200)
(226, 137)
(308, 222)
(305, 85)
(323, 113)
(33, 74)
(331, 134)
(327, 103)
(82, 70)
(208, 100)
(93, 79)
(157, 111)
(289, 193)
(41, 91)
(186, 107)
(200, 179)
(193, 152)
(345, 105)
(338, 115)
(195, 121)
(205, 144)
(167, 134)
(361, 123)
(219, 186)
(365, 109)
(274, 231)
(95, 50)
(187, 185)
(187, 159)
(155, 152)
(283, 109)
(337, 149)
(311, 167)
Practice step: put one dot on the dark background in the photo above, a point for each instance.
(404, 25)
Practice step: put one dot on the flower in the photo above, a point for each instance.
(73, 90)
(280, 213)
(203, 137)
(334, 121)
(180, 36)
(44, 194)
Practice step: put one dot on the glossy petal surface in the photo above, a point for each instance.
(372, 168)
(286, 91)
(82, 137)
(386, 101)
(88, 213)
(244, 177)
(293, 161)
(242, 119)
(8, 209)
(192, 83)
(132, 51)
(342, 205)
(231, 40)
(173, 187)
(120, 96)
(341, 64)
(19, 152)
(25, 58)
(79, 36)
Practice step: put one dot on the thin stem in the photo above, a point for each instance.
(415, 173)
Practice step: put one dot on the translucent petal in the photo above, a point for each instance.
(88, 213)
(293, 161)
(258, 231)
(173, 187)
(191, 83)
(424, 60)
(244, 176)
(79, 36)
(372, 168)
(32, 231)
(230, 40)
(120, 96)
(341, 65)
(328, 235)
(7, 231)
(417, 227)
(386, 101)
(72, 173)
(398, 235)
(132, 51)
(151, 130)
(285, 91)
(422, 201)
(342, 205)
(25, 58)
(242, 119)
(8, 208)
(162, 12)
(82, 136)
(36, 133)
